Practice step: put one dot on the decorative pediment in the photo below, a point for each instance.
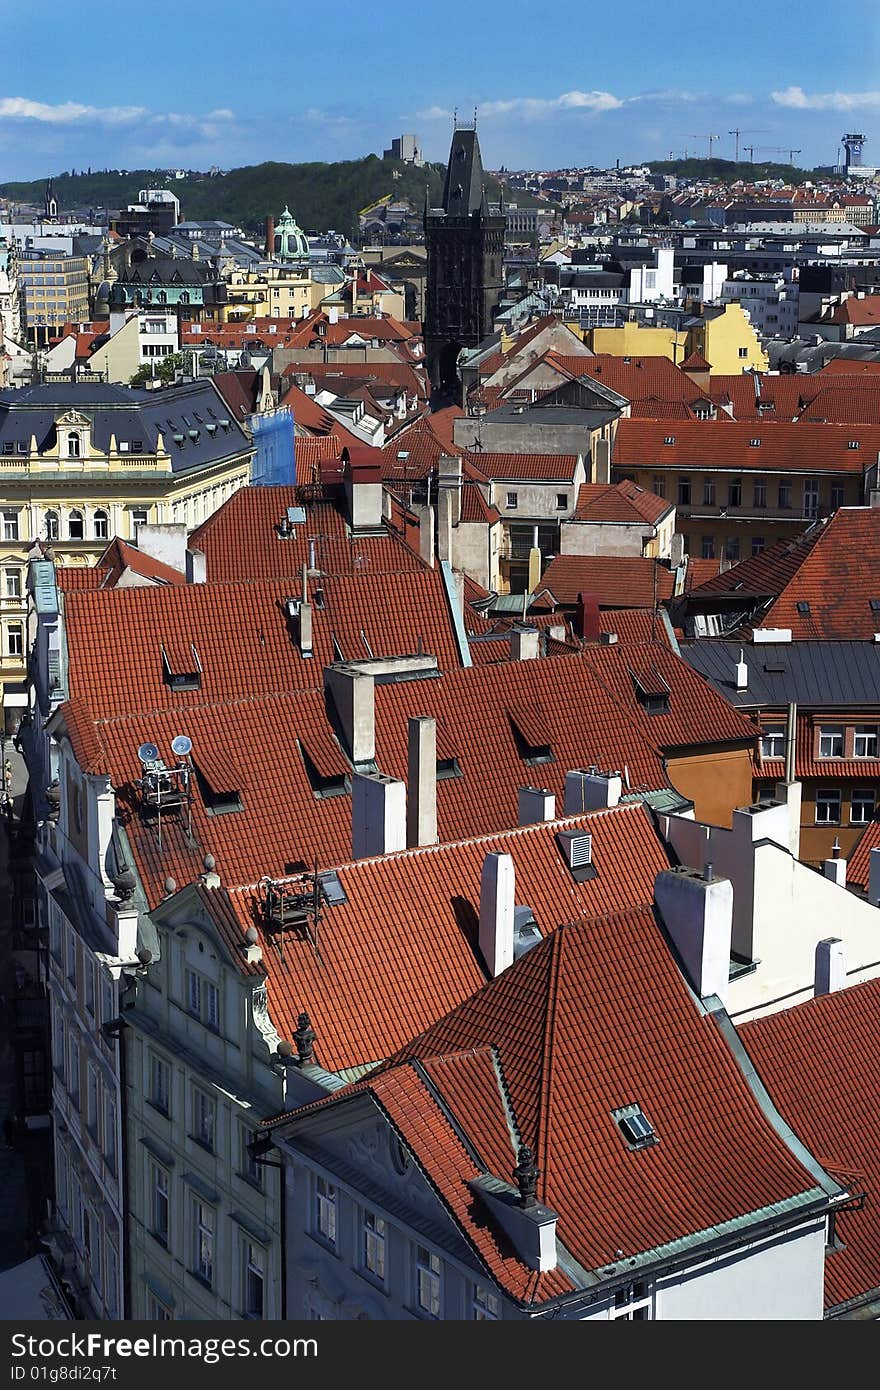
(72, 419)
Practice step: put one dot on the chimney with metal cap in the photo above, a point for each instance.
(535, 804)
(588, 789)
(830, 968)
(497, 887)
(421, 809)
(524, 643)
(835, 867)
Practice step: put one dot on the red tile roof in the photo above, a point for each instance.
(545, 468)
(402, 375)
(635, 377)
(69, 577)
(858, 869)
(861, 313)
(618, 581)
(821, 1065)
(242, 636)
(121, 556)
(574, 1043)
(619, 502)
(800, 447)
(846, 366)
(763, 574)
(434, 960)
(838, 578)
(240, 541)
(695, 362)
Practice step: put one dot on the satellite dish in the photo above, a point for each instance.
(181, 746)
(148, 753)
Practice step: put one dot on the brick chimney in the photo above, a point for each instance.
(270, 237)
(586, 617)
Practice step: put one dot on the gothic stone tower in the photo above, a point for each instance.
(465, 245)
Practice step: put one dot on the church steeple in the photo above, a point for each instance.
(463, 190)
(51, 202)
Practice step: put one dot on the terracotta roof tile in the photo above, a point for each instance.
(838, 578)
(594, 1018)
(820, 1063)
(240, 542)
(858, 869)
(801, 447)
(619, 581)
(623, 502)
(121, 556)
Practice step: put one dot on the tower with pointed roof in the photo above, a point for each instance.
(290, 244)
(465, 246)
(51, 202)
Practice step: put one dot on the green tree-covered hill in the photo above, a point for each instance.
(320, 196)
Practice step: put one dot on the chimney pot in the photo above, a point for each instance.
(830, 969)
(378, 815)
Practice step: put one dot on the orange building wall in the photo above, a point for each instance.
(717, 781)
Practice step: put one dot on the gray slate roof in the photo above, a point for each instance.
(814, 674)
(129, 414)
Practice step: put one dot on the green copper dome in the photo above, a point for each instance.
(290, 242)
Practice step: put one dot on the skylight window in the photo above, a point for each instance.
(635, 1126)
(754, 443)
(802, 606)
(670, 439)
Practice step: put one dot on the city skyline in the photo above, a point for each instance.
(673, 79)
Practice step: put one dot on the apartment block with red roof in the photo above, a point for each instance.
(738, 486)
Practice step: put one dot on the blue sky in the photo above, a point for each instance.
(188, 85)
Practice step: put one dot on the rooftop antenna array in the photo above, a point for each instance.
(165, 788)
(292, 905)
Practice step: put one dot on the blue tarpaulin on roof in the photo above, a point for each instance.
(273, 463)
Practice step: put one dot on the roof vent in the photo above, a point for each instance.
(577, 849)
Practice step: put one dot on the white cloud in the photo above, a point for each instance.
(532, 108)
(68, 112)
(800, 100)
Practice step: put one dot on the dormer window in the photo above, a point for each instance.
(74, 445)
(853, 444)
(670, 439)
(634, 1125)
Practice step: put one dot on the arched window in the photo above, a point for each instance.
(73, 445)
(51, 526)
(184, 297)
(161, 297)
(102, 525)
(76, 526)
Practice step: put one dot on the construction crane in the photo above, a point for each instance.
(791, 155)
(711, 139)
(738, 132)
(750, 151)
(775, 149)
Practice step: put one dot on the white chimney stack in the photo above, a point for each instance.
(587, 789)
(524, 644)
(497, 886)
(378, 815)
(742, 673)
(835, 868)
(830, 972)
(535, 804)
(874, 878)
(421, 811)
(697, 909)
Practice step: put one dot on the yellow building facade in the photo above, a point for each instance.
(725, 337)
(82, 463)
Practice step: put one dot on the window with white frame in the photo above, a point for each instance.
(15, 640)
(73, 1065)
(811, 497)
(157, 1311)
(250, 1168)
(111, 1278)
(863, 804)
(325, 1209)
(12, 583)
(102, 525)
(428, 1276)
(773, 743)
(89, 970)
(109, 1134)
(512, 501)
(203, 1240)
(92, 1100)
(160, 1084)
(374, 1245)
(828, 806)
(831, 741)
(194, 993)
(160, 1204)
(76, 525)
(204, 1118)
(254, 1280)
(486, 1306)
(212, 1006)
(865, 741)
(10, 525)
(633, 1303)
